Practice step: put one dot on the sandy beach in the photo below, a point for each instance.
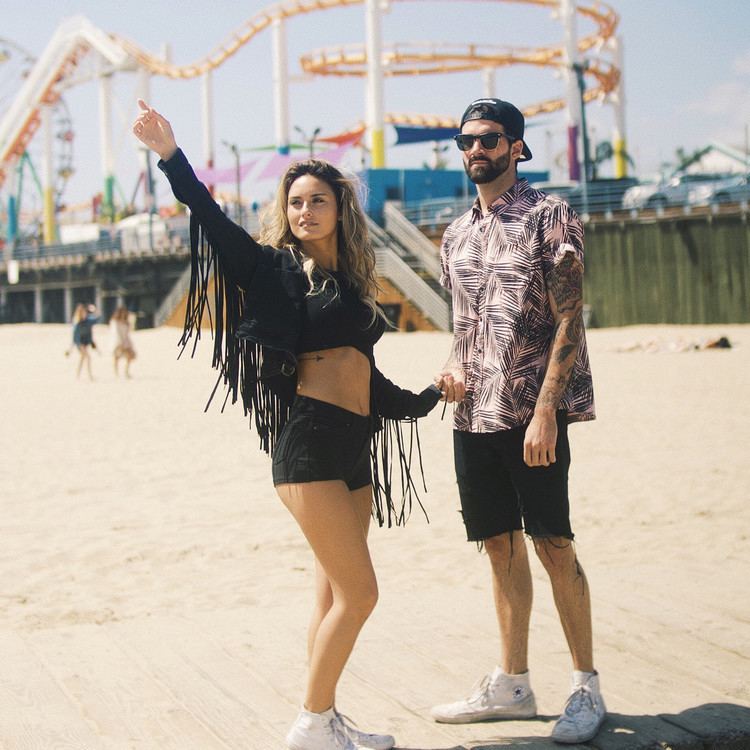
(154, 592)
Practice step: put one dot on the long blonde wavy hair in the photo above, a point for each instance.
(356, 258)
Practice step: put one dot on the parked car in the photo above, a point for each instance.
(604, 194)
(734, 192)
(674, 191)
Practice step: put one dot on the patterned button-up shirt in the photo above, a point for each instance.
(495, 266)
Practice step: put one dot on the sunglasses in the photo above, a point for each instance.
(488, 141)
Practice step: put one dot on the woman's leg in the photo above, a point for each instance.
(362, 499)
(323, 602)
(333, 520)
(83, 353)
(88, 362)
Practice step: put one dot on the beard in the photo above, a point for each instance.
(481, 171)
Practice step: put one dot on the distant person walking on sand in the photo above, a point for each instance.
(519, 373)
(122, 345)
(84, 319)
(296, 321)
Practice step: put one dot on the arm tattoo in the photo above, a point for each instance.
(571, 330)
(566, 338)
(565, 283)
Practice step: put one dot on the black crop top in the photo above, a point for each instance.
(337, 317)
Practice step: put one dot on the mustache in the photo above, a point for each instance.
(475, 159)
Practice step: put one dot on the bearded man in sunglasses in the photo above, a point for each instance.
(519, 374)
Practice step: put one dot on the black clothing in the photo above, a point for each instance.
(322, 441)
(336, 316)
(500, 493)
(264, 316)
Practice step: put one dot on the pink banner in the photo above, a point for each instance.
(278, 163)
(213, 176)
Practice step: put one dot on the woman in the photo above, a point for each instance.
(84, 319)
(296, 321)
(122, 345)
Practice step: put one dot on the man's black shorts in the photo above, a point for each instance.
(500, 493)
(322, 441)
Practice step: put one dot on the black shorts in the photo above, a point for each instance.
(321, 442)
(500, 493)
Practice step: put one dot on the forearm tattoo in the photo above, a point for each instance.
(567, 336)
(565, 287)
(311, 357)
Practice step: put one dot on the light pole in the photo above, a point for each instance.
(148, 191)
(309, 141)
(579, 69)
(237, 177)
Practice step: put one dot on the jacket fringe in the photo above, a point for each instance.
(247, 370)
(387, 441)
(240, 362)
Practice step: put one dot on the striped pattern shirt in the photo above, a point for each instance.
(495, 267)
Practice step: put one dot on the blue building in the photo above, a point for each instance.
(415, 185)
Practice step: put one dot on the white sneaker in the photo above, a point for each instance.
(364, 739)
(496, 696)
(584, 711)
(312, 731)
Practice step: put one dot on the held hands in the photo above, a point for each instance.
(540, 440)
(451, 383)
(154, 131)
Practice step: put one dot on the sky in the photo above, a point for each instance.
(686, 77)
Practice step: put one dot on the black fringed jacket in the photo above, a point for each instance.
(258, 298)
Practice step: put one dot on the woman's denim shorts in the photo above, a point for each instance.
(323, 442)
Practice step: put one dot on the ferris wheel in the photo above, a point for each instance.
(22, 198)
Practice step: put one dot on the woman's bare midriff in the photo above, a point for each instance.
(339, 376)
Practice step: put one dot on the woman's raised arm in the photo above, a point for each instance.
(238, 252)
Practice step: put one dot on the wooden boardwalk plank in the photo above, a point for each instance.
(219, 690)
(121, 700)
(35, 712)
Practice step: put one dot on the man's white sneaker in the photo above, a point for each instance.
(496, 696)
(312, 731)
(584, 711)
(365, 739)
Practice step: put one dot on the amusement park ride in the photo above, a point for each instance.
(37, 119)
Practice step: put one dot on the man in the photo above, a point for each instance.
(519, 373)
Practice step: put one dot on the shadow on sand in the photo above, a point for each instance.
(712, 726)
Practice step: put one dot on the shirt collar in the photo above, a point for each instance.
(508, 198)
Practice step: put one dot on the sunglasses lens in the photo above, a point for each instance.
(489, 141)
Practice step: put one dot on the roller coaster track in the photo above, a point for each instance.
(602, 15)
(72, 40)
(70, 44)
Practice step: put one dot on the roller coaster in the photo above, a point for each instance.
(76, 39)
